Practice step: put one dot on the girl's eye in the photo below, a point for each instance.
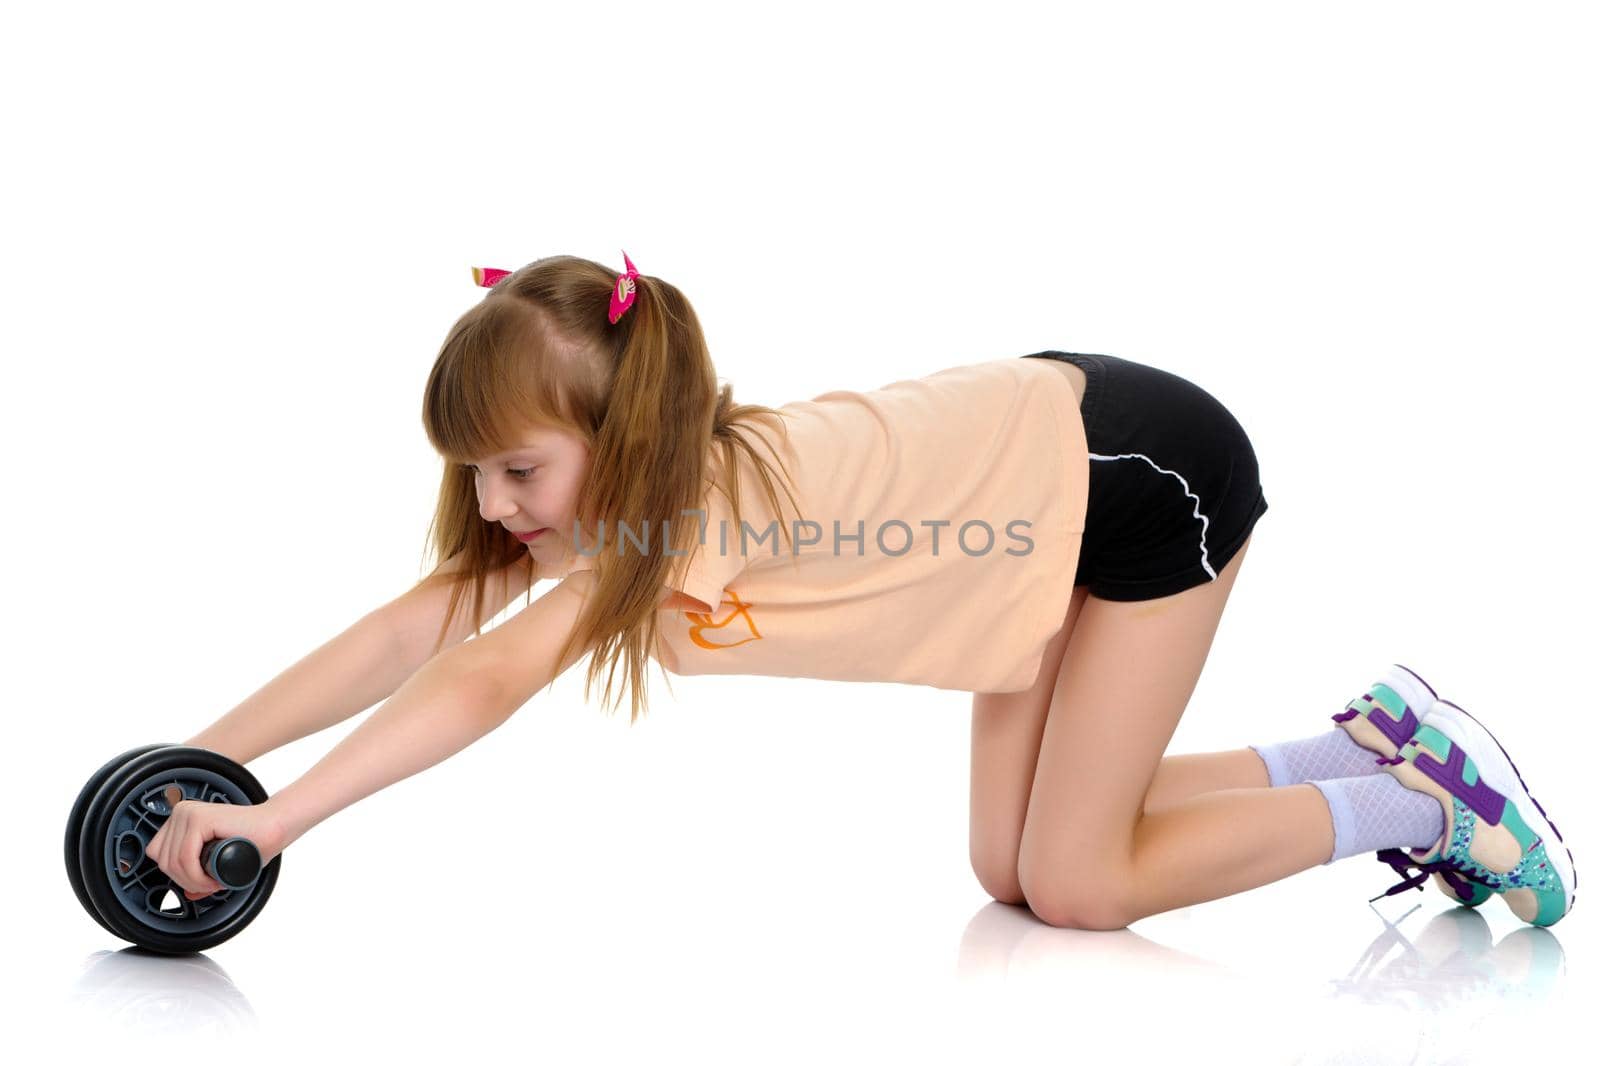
(522, 474)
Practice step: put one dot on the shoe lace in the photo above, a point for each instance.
(1459, 877)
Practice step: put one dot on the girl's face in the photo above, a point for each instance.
(535, 486)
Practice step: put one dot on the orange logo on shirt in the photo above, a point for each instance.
(703, 621)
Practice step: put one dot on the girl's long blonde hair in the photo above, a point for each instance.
(540, 350)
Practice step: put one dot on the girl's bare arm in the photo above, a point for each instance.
(356, 669)
(455, 698)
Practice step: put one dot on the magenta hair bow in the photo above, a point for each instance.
(624, 292)
(488, 277)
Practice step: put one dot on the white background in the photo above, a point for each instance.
(235, 238)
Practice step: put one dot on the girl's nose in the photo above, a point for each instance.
(494, 507)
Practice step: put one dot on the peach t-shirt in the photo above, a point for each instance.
(938, 536)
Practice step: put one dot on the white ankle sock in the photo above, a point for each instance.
(1376, 811)
(1324, 757)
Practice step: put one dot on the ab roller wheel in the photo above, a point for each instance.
(118, 813)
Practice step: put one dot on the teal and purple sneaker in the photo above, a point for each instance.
(1384, 721)
(1497, 839)
(1385, 718)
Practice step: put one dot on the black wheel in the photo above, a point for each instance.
(75, 825)
(125, 889)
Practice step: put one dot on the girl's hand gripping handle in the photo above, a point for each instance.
(178, 846)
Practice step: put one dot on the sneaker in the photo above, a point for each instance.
(1496, 836)
(1382, 721)
(1385, 718)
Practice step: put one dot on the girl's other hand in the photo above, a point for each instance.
(177, 844)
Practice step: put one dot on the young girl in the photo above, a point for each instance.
(1056, 533)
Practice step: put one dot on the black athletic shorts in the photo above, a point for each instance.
(1174, 490)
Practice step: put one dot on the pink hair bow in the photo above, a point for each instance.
(623, 294)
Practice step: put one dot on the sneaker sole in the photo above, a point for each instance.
(1498, 772)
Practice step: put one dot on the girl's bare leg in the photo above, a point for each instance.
(1180, 777)
(1090, 856)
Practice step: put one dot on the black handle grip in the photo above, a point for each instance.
(233, 862)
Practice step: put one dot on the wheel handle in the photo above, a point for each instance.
(233, 862)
